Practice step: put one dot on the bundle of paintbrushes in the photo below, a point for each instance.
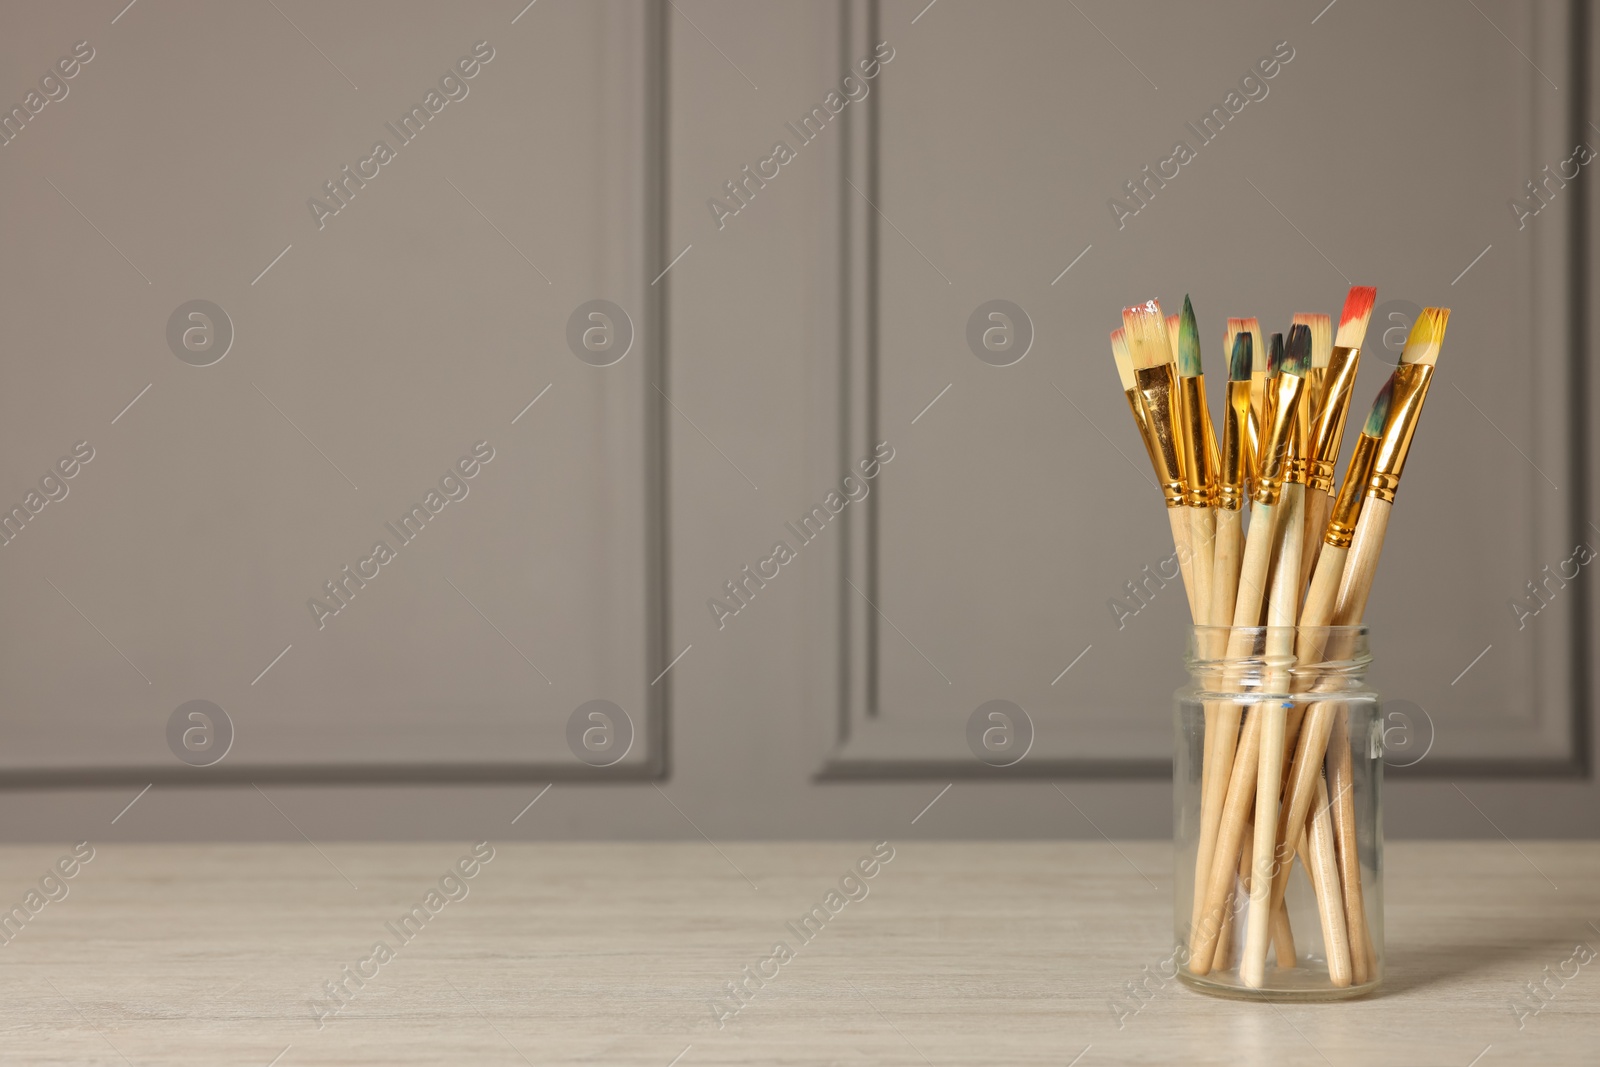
(1275, 738)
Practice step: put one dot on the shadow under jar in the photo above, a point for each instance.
(1278, 815)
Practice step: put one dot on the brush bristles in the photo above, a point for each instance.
(1297, 350)
(1258, 345)
(1235, 326)
(1380, 410)
(1188, 342)
(1172, 335)
(1353, 321)
(1146, 331)
(1275, 355)
(1239, 358)
(1426, 337)
(1321, 339)
(1123, 358)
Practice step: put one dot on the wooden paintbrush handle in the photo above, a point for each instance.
(1318, 507)
(1225, 565)
(1222, 738)
(1361, 566)
(1202, 543)
(1223, 959)
(1283, 935)
(1306, 772)
(1179, 518)
(1269, 771)
(1341, 781)
(1236, 810)
(1251, 597)
(1324, 868)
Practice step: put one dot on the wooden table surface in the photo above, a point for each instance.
(958, 953)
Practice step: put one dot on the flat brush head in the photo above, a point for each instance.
(1234, 327)
(1275, 355)
(1258, 346)
(1239, 359)
(1297, 351)
(1380, 410)
(1321, 327)
(1146, 330)
(1426, 337)
(1357, 310)
(1123, 358)
(1188, 342)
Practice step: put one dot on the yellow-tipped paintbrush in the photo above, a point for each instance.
(1156, 380)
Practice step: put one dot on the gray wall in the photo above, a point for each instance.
(772, 350)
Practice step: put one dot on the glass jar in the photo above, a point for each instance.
(1278, 719)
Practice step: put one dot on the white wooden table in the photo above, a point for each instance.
(613, 954)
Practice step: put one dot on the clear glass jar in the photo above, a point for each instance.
(1280, 719)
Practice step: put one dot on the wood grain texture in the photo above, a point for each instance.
(961, 953)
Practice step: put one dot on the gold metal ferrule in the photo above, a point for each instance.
(1157, 387)
(1142, 421)
(1405, 410)
(1238, 454)
(1273, 463)
(1199, 442)
(1260, 403)
(1347, 507)
(1333, 407)
(1299, 470)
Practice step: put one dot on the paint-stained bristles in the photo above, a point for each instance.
(1426, 337)
(1239, 358)
(1353, 321)
(1124, 360)
(1146, 331)
(1233, 330)
(1297, 350)
(1258, 345)
(1275, 355)
(1188, 342)
(1380, 410)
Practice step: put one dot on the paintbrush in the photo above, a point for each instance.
(1222, 720)
(1199, 458)
(1243, 781)
(1317, 614)
(1337, 378)
(1321, 327)
(1124, 361)
(1259, 375)
(1410, 389)
(1282, 612)
(1155, 378)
